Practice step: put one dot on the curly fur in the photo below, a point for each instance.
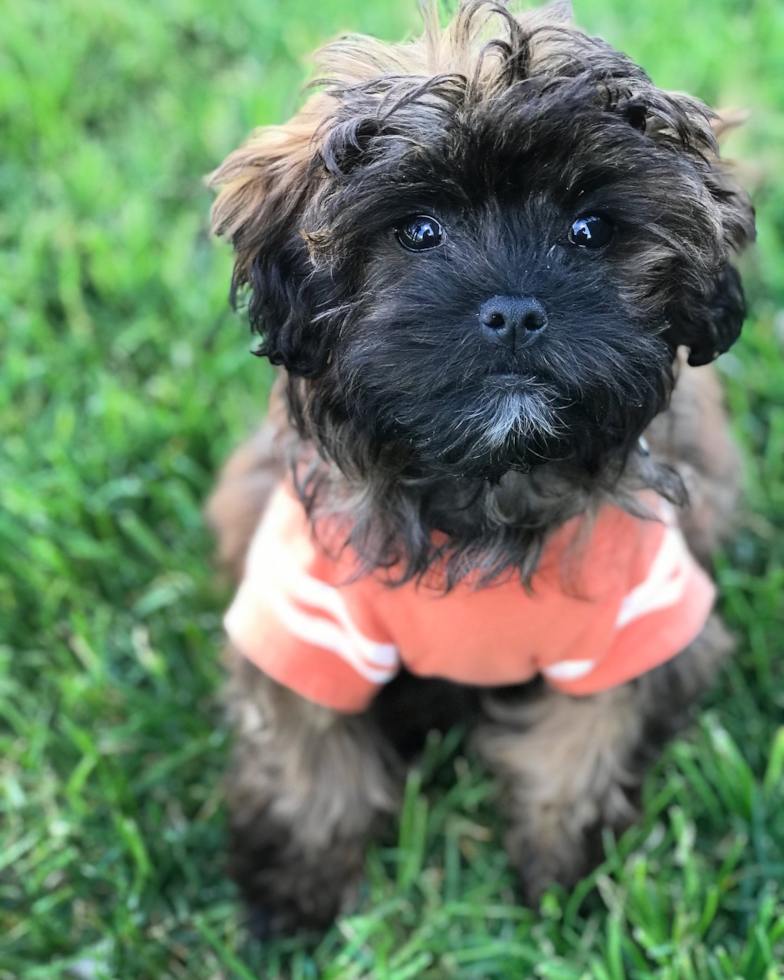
(506, 128)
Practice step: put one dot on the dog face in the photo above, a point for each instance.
(479, 252)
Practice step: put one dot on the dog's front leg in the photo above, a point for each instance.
(306, 789)
(569, 767)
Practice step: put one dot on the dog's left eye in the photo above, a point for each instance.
(420, 233)
(591, 232)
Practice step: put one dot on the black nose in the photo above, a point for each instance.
(514, 321)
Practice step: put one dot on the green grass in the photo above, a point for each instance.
(124, 382)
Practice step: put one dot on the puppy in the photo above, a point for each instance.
(488, 263)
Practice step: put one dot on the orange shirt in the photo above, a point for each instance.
(610, 600)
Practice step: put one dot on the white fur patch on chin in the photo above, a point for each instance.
(517, 413)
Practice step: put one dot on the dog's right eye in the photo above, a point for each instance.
(420, 233)
(592, 232)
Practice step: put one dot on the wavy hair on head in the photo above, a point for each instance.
(451, 114)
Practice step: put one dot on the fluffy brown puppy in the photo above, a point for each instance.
(486, 262)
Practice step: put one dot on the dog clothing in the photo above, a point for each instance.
(612, 597)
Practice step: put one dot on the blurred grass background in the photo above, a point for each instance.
(124, 382)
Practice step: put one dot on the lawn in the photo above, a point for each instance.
(124, 382)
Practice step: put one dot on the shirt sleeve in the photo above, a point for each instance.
(655, 620)
(303, 631)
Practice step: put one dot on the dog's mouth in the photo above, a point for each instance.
(507, 381)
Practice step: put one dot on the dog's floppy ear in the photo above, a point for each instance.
(266, 187)
(714, 325)
(709, 316)
(709, 311)
(711, 320)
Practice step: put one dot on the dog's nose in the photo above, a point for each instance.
(514, 321)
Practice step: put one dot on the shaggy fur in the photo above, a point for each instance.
(398, 418)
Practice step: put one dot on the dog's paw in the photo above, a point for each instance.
(267, 922)
(288, 892)
(563, 864)
(561, 845)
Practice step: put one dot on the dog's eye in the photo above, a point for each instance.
(420, 233)
(591, 232)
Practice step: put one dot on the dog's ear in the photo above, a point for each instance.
(266, 188)
(710, 311)
(717, 326)
(710, 320)
(713, 324)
